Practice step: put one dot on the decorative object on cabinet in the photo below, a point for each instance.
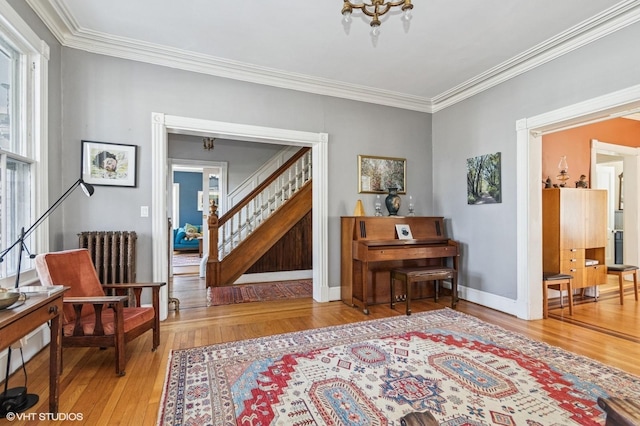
(484, 179)
(622, 271)
(378, 205)
(404, 231)
(411, 207)
(392, 201)
(378, 174)
(359, 210)
(109, 164)
(563, 168)
(547, 183)
(620, 192)
(574, 229)
(582, 182)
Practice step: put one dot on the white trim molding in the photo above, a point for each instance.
(162, 125)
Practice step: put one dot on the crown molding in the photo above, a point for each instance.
(69, 33)
(601, 25)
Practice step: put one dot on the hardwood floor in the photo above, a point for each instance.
(90, 387)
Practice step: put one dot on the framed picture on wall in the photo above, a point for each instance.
(109, 164)
(378, 174)
(484, 179)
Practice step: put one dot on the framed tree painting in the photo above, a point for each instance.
(109, 164)
(484, 179)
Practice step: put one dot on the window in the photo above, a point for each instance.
(23, 64)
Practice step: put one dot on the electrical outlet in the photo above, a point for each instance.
(144, 211)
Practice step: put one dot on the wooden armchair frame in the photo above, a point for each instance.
(91, 317)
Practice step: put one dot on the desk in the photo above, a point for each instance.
(18, 322)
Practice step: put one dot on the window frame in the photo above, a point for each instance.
(33, 119)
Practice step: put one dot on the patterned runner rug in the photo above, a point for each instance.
(186, 259)
(463, 370)
(260, 292)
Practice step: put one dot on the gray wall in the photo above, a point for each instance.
(111, 100)
(243, 158)
(485, 124)
(106, 99)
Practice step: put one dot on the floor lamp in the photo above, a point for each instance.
(17, 400)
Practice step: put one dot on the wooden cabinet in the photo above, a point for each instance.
(574, 234)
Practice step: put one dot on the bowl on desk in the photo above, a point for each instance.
(8, 298)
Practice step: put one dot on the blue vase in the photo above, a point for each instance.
(392, 201)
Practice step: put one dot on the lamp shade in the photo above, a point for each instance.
(87, 188)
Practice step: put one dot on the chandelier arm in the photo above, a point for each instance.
(372, 10)
(375, 9)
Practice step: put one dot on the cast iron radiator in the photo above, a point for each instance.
(113, 254)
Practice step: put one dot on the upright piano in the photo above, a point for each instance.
(370, 248)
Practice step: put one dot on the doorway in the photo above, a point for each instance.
(529, 199)
(162, 125)
(195, 184)
(616, 162)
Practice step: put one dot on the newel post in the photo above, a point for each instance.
(213, 263)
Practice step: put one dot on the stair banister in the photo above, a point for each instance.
(223, 237)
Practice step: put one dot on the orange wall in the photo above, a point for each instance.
(576, 145)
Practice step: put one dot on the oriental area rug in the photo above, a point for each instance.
(462, 370)
(260, 292)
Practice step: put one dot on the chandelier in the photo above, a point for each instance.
(208, 143)
(375, 9)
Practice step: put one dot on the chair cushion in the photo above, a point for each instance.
(552, 276)
(621, 268)
(133, 317)
(73, 268)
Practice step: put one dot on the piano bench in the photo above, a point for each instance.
(422, 274)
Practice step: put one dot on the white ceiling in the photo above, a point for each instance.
(453, 49)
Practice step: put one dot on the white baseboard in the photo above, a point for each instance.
(274, 276)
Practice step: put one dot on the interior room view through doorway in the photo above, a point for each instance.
(529, 136)
(291, 143)
(195, 184)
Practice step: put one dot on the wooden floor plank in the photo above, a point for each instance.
(90, 386)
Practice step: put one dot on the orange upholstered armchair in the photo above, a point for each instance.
(92, 318)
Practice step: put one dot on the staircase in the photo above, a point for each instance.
(248, 230)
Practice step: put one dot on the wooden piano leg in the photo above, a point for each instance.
(365, 284)
(392, 280)
(407, 283)
(454, 289)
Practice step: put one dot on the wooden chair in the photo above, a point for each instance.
(620, 411)
(622, 271)
(557, 282)
(91, 318)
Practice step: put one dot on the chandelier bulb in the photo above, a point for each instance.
(346, 17)
(407, 15)
(375, 33)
